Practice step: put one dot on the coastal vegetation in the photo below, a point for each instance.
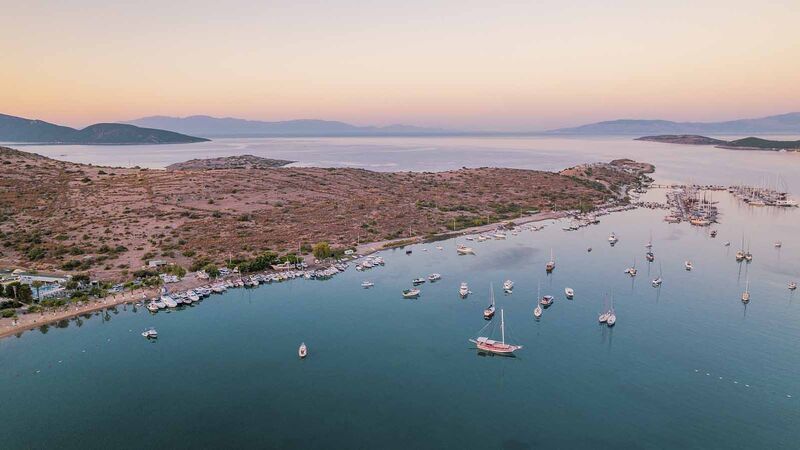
(114, 224)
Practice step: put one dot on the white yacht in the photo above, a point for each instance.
(464, 250)
(417, 281)
(688, 265)
(367, 284)
(150, 333)
(508, 285)
(463, 290)
(168, 301)
(569, 292)
(612, 238)
(434, 277)
(411, 293)
(612, 318)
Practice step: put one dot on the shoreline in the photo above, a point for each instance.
(33, 321)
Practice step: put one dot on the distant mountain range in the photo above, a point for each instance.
(748, 143)
(232, 127)
(783, 123)
(18, 130)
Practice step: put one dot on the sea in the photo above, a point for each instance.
(687, 365)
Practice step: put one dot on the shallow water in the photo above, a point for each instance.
(687, 365)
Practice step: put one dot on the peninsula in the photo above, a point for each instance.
(109, 222)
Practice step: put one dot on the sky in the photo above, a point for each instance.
(457, 64)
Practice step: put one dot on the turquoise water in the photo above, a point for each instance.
(687, 365)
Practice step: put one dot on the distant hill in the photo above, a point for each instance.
(688, 139)
(748, 143)
(784, 123)
(228, 126)
(18, 129)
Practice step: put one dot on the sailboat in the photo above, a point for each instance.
(650, 242)
(550, 264)
(488, 313)
(603, 317)
(537, 312)
(740, 252)
(657, 281)
(746, 293)
(489, 345)
(632, 270)
(612, 316)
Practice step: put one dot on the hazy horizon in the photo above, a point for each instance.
(457, 65)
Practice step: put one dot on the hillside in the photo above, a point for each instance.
(228, 126)
(783, 123)
(752, 143)
(18, 129)
(56, 215)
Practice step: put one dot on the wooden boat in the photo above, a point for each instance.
(489, 345)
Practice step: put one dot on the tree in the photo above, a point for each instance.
(211, 270)
(37, 284)
(3, 291)
(322, 250)
(24, 293)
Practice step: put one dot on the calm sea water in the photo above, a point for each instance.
(687, 365)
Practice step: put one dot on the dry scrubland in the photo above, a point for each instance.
(61, 216)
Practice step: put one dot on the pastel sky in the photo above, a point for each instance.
(461, 64)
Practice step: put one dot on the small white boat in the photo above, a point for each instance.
(302, 351)
(463, 290)
(152, 307)
(546, 300)
(417, 281)
(537, 312)
(657, 282)
(612, 318)
(550, 264)
(367, 284)
(508, 285)
(462, 249)
(569, 292)
(603, 317)
(150, 333)
(792, 285)
(434, 277)
(168, 301)
(499, 235)
(727, 243)
(746, 293)
(411, 293)
(778, 244)
(488, 313)
(612, 239)
(688, 265)
(439, 247)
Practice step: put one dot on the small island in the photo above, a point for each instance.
(748, 143)
(230, 162)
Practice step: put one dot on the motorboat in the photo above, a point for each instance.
(411, 293)
(463, 290)
(434, 277)
(778, 244)
(417, 281)
(169, 301)
(462, 249)
(612, 318)
(508, 285)
(367, 284)
(546, 300)
(302, 352)
(650, 256)
(152, 307)
(688, 265)
(569, 292)
(150, 333)
(657, 282)
(612, 239)
(792, 285)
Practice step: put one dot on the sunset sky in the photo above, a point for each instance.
(510, 65)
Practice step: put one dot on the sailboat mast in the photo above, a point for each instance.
(502, 327)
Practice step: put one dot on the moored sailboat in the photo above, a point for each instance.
(488, 313)
(492, 346)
